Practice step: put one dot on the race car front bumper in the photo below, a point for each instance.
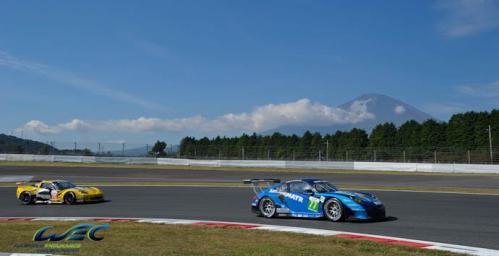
(376, 212)
(370, 212)
(91, 198)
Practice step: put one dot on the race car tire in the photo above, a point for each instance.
(25, 198)
(69, 198)
(266, 207)
(334, 210)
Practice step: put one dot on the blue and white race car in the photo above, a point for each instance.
(312, 198)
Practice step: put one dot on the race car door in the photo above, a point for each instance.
(298, 198)
(47, 191)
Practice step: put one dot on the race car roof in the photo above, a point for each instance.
(50, 181)
(309, 181)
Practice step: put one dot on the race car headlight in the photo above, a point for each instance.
(355, 199)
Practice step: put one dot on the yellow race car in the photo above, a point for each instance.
(57, 191)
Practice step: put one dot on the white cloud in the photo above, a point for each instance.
(301, 112)
(445, 108)
(467, 17)
(39, 127)
(10, 61)
(73, 80)
(399, 109)
(116, 141)
(152, 49)
(42, 128)
(489, 90)
(485, 93)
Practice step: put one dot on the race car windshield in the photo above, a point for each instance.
(64, 185)
(323, 187)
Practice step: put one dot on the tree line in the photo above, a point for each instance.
(462, 133)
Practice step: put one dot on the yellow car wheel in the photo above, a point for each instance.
(25, 198)
(69, 198)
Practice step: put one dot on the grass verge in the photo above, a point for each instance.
(232, 169)
(155, 239)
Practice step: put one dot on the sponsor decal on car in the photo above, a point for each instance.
(53, 195)
(294, 197)
(313, 203)
(282, 210)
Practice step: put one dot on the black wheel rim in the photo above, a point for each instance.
(24, 198)
(70, 198)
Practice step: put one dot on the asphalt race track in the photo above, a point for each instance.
(451, 218)
(471, 220)
(82, 174)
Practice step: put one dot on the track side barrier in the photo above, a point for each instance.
(338, 165)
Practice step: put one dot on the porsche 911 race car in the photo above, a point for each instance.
(312, 198)
(56, 191)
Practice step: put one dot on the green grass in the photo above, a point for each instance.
(157, 239)
(231, 169)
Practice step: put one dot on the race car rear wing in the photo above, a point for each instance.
(260, 184)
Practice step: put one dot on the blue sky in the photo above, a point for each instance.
(136, 72)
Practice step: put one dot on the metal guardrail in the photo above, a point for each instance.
(343, 165)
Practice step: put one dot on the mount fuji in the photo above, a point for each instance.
(384, 109)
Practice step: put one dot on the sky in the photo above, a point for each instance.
(124, 71)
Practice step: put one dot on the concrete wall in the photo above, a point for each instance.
(373, 166)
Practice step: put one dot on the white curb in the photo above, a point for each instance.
(311, 231)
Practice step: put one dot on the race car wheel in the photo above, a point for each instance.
(267, 207)
(69, 198)
(25, 198)
(333, 210)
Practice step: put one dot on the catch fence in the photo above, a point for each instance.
(484, 155)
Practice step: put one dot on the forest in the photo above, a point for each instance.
(463, 138)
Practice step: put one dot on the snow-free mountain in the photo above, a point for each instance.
(382, 107)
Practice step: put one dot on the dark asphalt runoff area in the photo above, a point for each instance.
(95, 174)
(450, 218)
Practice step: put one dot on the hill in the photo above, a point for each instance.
(15, 145)
(383, 107)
